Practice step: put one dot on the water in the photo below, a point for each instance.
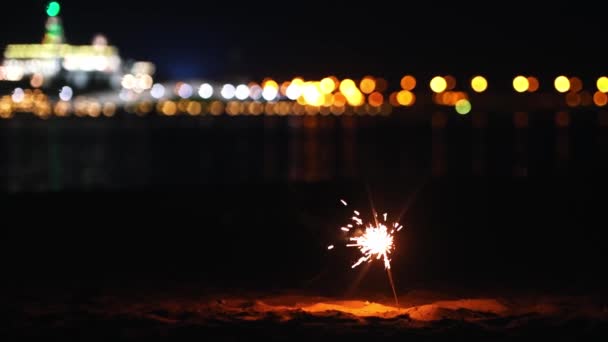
(130, 152)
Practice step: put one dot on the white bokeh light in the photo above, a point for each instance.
(228, 91)
(157, 91)
(18, 95)
(205, 91)
(242, 92)
(66, 93)
(270, 93)
(185, 91)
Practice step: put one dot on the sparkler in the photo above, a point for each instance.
(375, 243)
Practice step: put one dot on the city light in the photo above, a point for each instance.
(408, 82)
(463, 107)
(157, 91)
(479, 84)
(520, 84)
(602, 84)
(562, 84)
(66, 93)
(205, 91)
(53, 9)
(438, 84)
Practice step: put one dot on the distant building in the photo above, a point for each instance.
(55, 63)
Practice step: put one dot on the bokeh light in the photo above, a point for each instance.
(463, 107)
(576, 84)
(241, 92)
(228, 91)
(205, 91)
(479, 84)
(520, 84)
(533, 84)
(367, 85)
(157, 91)
(53, 9)
(408, 82)
(327, 85)
(406, 98)
(438, 84)
(602, 84)
(561, 84)
(600, 99)
(66, 93)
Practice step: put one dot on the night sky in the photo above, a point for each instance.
(227, 40)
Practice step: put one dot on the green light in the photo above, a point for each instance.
(463, 107)
(53, 9)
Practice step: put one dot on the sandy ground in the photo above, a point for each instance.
(189, 315)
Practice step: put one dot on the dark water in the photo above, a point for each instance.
(130, 152)
(496, 199)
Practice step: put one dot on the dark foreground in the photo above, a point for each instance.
(236, 262)
(179, 313)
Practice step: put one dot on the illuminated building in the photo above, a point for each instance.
(55, 62)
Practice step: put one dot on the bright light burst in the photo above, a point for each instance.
(375, 242)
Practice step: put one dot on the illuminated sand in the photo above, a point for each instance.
(293, 307)
(177, 313)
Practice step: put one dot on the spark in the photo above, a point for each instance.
(330, 247)
(375, 243)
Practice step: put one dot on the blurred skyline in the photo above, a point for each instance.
(312, 38)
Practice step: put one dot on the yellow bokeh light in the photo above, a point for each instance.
(406, 98)
(367, 85)
(479, 84)
(561, 84)
(602, 84)
(348, 87)
(327, 85)
(270, 84)
(312, 94)
(408, 82)
(520, 84)
(438, 84)
(356, 99)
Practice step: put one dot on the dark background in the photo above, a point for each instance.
(166, 222)
(252, 40)
(251, 203)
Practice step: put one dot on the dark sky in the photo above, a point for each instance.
(315, 38)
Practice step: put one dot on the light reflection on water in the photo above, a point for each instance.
(125, 152)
